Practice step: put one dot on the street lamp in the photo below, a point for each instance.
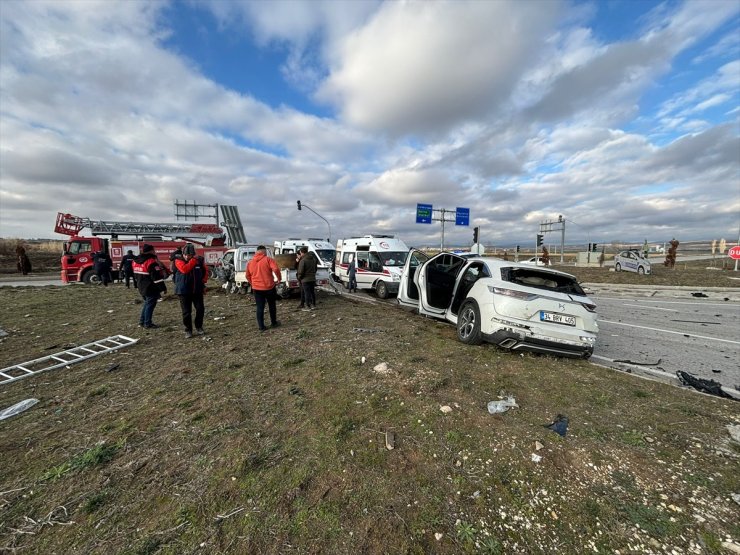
(304, 205)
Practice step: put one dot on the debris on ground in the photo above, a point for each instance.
(17, 408)
(496, 407)
(559, 425)
(707, 386)
(382, 368)
(538, 446)
(699, 295)
(734, 430)
(3, 333)
(113, 367)
(390, 441)
(446, 409)
(627, 361)
(364, 330)
(536, 458)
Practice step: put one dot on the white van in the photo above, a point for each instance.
(323, 250)
(379, 261)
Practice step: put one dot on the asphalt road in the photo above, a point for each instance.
(699, 336)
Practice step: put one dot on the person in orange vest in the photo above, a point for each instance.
(261, 273)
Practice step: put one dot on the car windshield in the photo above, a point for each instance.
(326, 255)
(393, 258)
(540, 279)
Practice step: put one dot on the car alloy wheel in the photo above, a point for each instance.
(640, 270)
(468, 324)
(617, 267)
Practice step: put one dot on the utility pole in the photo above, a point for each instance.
(442, 219)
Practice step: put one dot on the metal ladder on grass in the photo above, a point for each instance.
(64, 358)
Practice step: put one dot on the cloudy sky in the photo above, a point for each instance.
(620, 115)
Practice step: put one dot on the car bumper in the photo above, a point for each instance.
(514, 341)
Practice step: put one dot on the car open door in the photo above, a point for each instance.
(408, 293)
(436, 281)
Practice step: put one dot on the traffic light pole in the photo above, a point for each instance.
(548, 226)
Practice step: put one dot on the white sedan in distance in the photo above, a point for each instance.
(513, 306)
(537, 261)
(631, 261)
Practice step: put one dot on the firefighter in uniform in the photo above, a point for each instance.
(150, 281)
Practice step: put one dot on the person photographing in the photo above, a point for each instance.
(190, 285)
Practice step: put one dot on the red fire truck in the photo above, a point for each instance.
(77, 260)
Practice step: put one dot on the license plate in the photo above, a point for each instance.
(557, 318)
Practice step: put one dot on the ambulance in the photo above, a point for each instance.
(378, 259)
(323, 250)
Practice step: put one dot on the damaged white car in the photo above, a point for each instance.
(514, 306)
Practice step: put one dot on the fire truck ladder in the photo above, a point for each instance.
(64, 358)
(72, 225)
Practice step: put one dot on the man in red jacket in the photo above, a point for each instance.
(261, 273)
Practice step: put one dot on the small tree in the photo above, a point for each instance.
(670, 257)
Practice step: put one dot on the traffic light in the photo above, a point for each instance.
(593, 248)
(517, 248)
(299, 204)
(475, 235)
(540, 239)
(590, 247)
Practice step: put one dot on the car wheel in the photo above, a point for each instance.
(640, 270)
(90, 278)
(617, 267)
(468, 324)
(382, 290)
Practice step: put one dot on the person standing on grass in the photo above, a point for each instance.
(307, 276)
(261, 273)
(150, 281)
(126, 269)
(24, 264)
(352, 275)
(298, 257)
(190, 285)
(103, 267)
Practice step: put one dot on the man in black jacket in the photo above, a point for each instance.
(307, 276)
(126, 269)
(103, 266)
(150, 279)
(190, 285)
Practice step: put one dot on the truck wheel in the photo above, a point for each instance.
(617, 267)
(382, 290)
(90, 278)
(468, 324)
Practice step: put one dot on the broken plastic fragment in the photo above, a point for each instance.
(17, 408)
(495, 407)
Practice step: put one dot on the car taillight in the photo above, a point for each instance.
(512, 293)
(588, 306)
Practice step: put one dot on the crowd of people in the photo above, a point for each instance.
(190, 277)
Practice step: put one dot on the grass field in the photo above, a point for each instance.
(248, 442)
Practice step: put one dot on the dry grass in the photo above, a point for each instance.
(272, 443)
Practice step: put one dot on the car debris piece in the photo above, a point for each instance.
(17, 408)
(640, 363)
(734, 430)
(64, 358)
(113, 367)
(707, 386)
(364, 330)
(699, 295)
(446, 409)
(495, 407)
(559, 425)
(536, 458)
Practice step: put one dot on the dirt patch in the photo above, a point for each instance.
(249, 442)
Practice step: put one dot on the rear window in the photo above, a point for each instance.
(540, 279)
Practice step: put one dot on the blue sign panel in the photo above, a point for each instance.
(462, 216)
(423, 213)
